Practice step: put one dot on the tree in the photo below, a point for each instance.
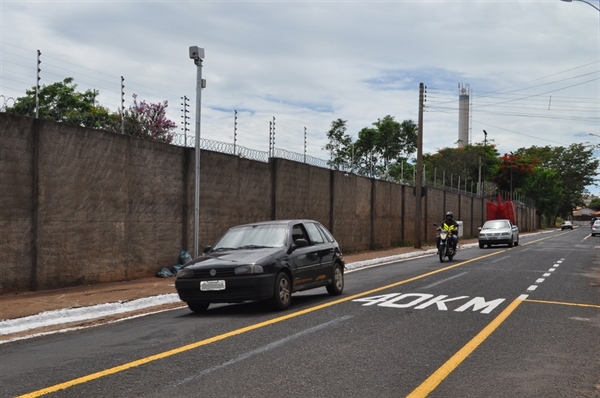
(513, 171)
(145, 120)
(464, 163)
(595, 204)
(575, 166)
(339, 144)
(367, 155)
(61, 102)
(545, 186)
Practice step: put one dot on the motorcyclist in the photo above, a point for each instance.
(451, 226)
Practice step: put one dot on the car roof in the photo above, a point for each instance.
(276, 222)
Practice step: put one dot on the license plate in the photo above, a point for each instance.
(212, 285)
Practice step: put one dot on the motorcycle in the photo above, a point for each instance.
(445, 249)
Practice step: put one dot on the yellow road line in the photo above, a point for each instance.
(563, 303)
(224, 336)
(439, 375)
(142, 361)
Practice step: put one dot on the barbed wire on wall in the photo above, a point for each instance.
(6, 102)
(455, 184)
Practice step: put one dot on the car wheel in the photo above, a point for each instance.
(517, 242)
(198, 307)
(481, 245)
(511, 243)
(283, 292)
(337, 284)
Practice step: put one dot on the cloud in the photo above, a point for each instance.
(531, 66)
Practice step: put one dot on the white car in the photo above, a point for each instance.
(596, 228)
(498, 232)
(566, 225)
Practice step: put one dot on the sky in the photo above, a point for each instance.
(531, 68)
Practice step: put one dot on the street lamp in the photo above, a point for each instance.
(197, 54)
(583, 1)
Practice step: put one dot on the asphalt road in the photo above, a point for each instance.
(499, 322)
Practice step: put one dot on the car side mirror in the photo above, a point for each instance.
(479, 228)
(206, 249)
(297, 243)
(301, 242)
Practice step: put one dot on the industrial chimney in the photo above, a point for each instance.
(463, 115)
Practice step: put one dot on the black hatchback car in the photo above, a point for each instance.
(263, 261)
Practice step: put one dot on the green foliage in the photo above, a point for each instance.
(380, 150)
(463, 163)
(595, 204)
(61, 102)
(574, 166)
(339, 146)
(545, 186)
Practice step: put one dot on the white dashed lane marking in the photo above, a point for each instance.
(546, 275)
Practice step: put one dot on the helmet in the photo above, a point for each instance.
(450, 214)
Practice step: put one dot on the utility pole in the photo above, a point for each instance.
(419, 171)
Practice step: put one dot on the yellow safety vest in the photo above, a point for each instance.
(448, 228)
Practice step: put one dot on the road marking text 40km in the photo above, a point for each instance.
(420, 301)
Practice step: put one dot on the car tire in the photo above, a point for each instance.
(282, 297)
(511, 243)
(198, 308)
(481, 245)
(517, 242)
(337, 284)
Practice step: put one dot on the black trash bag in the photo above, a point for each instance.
(184, 257)
(165, 273)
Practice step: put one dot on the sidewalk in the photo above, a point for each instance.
(25, 313)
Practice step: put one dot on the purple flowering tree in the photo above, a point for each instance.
(146, 120)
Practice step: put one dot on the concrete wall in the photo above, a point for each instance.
(81, 206)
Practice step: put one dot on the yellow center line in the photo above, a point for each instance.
(179, 350)
(563, 303)
(439, 375)
(182, 349)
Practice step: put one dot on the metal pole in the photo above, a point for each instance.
(234, 131)
(37, 86)
(122, 105)
(199, 54)
(419, 176)
(304, 144)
